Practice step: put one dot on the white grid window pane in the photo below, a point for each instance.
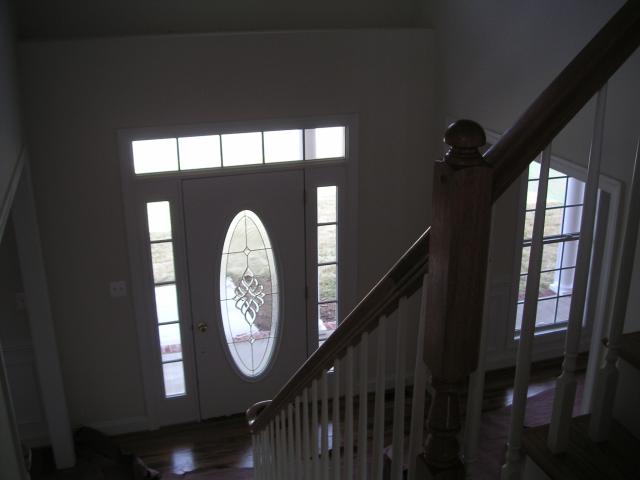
(159, 220)
(283, 146)
(152, 156)
(170, 342)
(327, 204)
(325, 142)
(173, 374)
(241, 149)
(199, 152)
(167, 303)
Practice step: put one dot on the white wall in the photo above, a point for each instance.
(495, 57)
(78, 93)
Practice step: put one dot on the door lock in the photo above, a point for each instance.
(202, 327)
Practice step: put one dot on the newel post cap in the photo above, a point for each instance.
(464, 138)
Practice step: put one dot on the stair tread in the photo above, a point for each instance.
(617, 458)
(630, 348)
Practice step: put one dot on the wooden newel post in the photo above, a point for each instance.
(461, 217)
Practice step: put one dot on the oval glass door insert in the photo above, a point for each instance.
(249, 295)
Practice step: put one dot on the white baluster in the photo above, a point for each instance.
(416, 430)
(377, 458)
(565, 393)
(299, 471)
(397, 459)
(306, 451)
(512, 467)
(290, 445)
(324, 389)
(607, 380)
(348, 415)
(315, 450)
(362, 408)
(336, 440)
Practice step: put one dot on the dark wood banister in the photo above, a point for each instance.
(403, 279)
(587, 73)
(465, 184)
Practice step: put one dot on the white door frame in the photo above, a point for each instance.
(136, 190)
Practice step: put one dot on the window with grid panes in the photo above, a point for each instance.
(563, 212)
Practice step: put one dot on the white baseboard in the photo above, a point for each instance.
(121, 426)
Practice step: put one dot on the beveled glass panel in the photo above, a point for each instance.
(327, 243)
(166, 303)
(199, 152)
(327, 142)
(241, 149)
(170, 342)
(173, 374)
(152, 156)
(283, 146)
(249, 298)
(159, 221)
(327, 203)
(162, 261)
(327, 283)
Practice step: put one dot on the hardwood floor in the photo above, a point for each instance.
(226, 442)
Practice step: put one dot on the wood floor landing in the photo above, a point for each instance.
(617, 458)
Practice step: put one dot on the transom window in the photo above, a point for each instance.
(563, 212)
(161, 155)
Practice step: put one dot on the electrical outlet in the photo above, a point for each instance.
(118, 288)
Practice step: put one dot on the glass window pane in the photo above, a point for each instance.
(327, 319)
(564, 305)
(199, 152)
(546, 312)
(550, 256)
(241, 149)
(327, 243)
(173, 379)
(575, 191)
(170, 342)
(283, 146)
(159, 218)
(572, 220)
(162, 260)
(553, 222)
(327, 283)
(524, 261)
(150, 156)
(529, 218)
(532, 194)
(569, 253)
(555, 173)
(548, 284)
(167, 303)
(519, 311)
(327, 202)
(565, 286)
(556, 191)
(534, 170)
(522, 285)
(324, 143)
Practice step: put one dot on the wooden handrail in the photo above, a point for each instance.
(587, 73)
(403, 279)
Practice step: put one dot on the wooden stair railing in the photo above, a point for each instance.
(292, 432)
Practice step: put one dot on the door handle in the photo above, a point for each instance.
(202, 327)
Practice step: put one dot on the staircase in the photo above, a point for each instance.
(422, 323)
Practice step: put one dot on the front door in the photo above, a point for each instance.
(245, 238)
